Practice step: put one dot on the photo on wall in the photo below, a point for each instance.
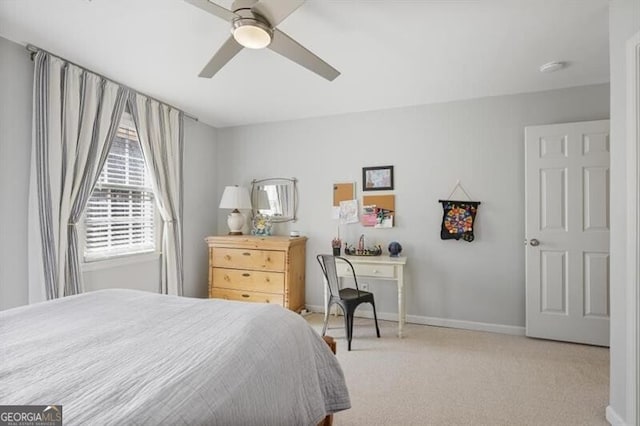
(377, 178)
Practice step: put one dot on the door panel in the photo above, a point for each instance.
(553, 146)
(595, 143)
(567, 231)
(596, 285)
(554, 282)
(596, 201)
(553, 199)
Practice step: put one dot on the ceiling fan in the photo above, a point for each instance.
(253, 25)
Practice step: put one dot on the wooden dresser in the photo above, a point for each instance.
(258, 269)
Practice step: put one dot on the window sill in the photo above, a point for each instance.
(116, 261)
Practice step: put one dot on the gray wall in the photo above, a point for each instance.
(624, 22)
(480, 142)
(16, 78)
(200, 202)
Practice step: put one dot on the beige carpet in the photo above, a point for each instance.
(444, 376)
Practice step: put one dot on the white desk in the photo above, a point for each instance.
(379, 268)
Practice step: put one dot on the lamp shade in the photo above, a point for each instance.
(235, 197)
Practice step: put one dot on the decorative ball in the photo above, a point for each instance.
(394, 249)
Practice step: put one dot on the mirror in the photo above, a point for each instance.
(275, 197)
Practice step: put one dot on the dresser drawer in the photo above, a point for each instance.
(267, 282)
(233, 258)
(382, 271)
(247, 296)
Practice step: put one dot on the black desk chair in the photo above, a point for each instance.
(347, 298)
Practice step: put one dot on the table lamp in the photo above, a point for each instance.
(235, 197)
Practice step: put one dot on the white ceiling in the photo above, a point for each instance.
(391, 53)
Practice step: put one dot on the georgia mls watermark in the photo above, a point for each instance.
(30, 415)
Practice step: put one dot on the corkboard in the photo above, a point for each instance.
(343, 192)
(387, 202)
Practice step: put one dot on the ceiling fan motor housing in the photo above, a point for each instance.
(251, 29)
(242, 4)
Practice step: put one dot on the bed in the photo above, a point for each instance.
(131, 357)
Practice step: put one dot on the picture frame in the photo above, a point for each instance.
(378, 178)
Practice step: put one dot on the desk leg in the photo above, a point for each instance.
(401, 314)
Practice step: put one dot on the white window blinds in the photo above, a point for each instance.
(120, 215)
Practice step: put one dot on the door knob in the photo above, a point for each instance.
(534, 242)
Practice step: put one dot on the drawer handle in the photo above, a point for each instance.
(227, 257)
(267, 301)
(375, 271)
(246, 274)
(246, 253)
(226, 278)
(246, 296)
(268, 259)
(268, 279)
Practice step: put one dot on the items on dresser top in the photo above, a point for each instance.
(258, 269)
(234, 198)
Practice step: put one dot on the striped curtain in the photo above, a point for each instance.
(160, 131)
(75, 117)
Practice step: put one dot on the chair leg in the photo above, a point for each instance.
(347, 327)
(326, 318)
(375, 317)
(350, 315)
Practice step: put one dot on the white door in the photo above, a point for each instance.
(567, 232)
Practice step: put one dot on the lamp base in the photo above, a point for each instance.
(235, 222)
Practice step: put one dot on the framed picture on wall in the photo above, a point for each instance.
(377, 178)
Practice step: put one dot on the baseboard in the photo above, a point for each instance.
(613, 417)
(438, 322)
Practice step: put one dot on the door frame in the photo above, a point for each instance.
(633, 230)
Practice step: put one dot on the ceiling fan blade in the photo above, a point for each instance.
(213, 9)
(291, 49)
(229, 49)
(276, 10)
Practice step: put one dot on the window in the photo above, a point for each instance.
(120, 218)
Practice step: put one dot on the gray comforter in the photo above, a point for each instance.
(128, 357)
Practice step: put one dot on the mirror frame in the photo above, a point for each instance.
(292, 182)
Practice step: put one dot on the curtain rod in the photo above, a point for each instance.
(34, 49)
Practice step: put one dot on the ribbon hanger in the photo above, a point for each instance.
(456, 186)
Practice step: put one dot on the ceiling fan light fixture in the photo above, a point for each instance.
(251, 33)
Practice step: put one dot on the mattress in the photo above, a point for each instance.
(129, 357)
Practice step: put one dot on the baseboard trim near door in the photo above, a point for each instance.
(613, 417)
(438, 322)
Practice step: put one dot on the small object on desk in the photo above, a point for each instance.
(336, 244)
(395, 249)
(294, 234)
(367, 251)
(361, 250)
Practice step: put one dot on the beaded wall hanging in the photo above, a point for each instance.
(458, 217)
